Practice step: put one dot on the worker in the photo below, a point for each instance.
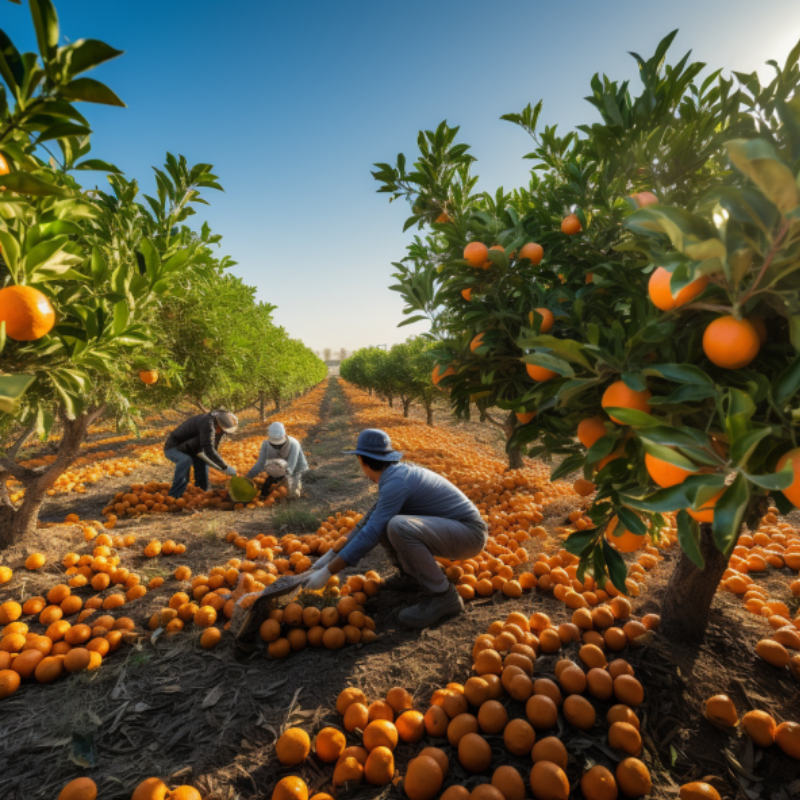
(194, 445)
(283, 460)
(418, 516)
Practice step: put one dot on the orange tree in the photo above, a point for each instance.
(639, 297)
(82, 272)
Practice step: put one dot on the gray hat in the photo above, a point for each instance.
(227, 421)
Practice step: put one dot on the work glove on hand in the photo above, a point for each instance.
(323, 561)
(230, 471)
(317, 580)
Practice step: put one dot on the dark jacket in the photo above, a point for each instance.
(198, 435)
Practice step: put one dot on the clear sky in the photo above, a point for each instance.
(294, 102)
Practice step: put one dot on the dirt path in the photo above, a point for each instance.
(192, 716)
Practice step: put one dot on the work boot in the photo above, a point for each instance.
(400, 582)
(432, 609)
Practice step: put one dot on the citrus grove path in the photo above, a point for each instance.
(161, 704)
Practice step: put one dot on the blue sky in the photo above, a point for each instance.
(293, 102)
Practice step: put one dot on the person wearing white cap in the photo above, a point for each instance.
(193, 445)
(283, 460)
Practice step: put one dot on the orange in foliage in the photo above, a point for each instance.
(731, 343)
(619, 395)
(661, 294)
(27, 313)
(570, 225)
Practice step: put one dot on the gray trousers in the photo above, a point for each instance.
(413, 541)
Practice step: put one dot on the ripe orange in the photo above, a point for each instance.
(698, 790)
(476, 254)
(524, 417)
(27, 313)
(540, 374)
(467, 294)
(665, 474)
(509, 783)
(706, 512)
(410, 726)
(293, 747)
(591, 430)
(548, 781)
(148, 376)
(547, 319)
(379, 768)
(760, 727)
(618, 395)
(519, 737)
(633, 778)
(792, 491)
(290, 788)
(570, 225)
(541, 712)
(599, 783)
(731, 343)
(439, 373)
(624, 541)
(151, 789)
(550, 749)
(380, 733)
(476, 343)
(532, 251)
(787, 736)
(329, 744)
(720, 709)
(492, 717)
(79, 789)
(643, 199)
(474, 753)
(661, 293)
(423, 778)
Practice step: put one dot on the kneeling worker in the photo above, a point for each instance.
(193, 444)
(418, 515)
(282, 458)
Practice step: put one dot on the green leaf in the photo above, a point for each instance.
(578, 541)
(659, 502)
(759, 160)
(97, 164)
(152, 261)
(549, 362)
(729, 513)
(12, 388)
(567, 466)
(121, 315)
(629, 521)
(498, 258)
(45, 21)
(744, 446)
(91, 91)
(86, 54)
(568, 349)
(787, 384)
(99, 268)
(27, 183)
(777, 481)
(670, 455)
(412, 320)
(615, 564)
(689, 538)
(10, 248)
(630, 416)
(680, 373)
(63, 130)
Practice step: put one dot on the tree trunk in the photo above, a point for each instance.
(277, 401)
(514, 456)
(467, 416)
(17, 522)
(391, 401)
(262, 407)
(429, 413)
(406, 406)
(690, 592)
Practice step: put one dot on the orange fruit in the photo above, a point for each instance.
(380, 733)
(289, 788)
(379, 769)
(731, 343)
(661, 293)
(570, 225)
(591, 430)
(633, 777)
(773, 653)
(787, 737)
(492, 717)
(665, 474)
(760, 727)
(623, 540)
(618, 395)
(439, 373)
(329, 744)
(293, 747)
(399, 699)
(599, 783)
(550, 749)
(27, 313)
(423, 778)
(628, 690)
(540, 374)
(474, 753)
(356, 716)
(792, 491)
(532, 251)
(509, 782)
(623, 713)
(476, 254)
(548, 781)
(79, 789)
(698, 790)
(579, 712)
(467, 294)
(706, 512)
(436, 721)
(519, 737)
(460, 726)
(439, 756)
(347, 770)
(547, 318)
(410, 726)
(624, 736)
(541, 712)
(185, 793)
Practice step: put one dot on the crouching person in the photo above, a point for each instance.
(418, 515)
(282, 459)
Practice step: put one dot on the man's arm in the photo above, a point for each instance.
(262, 459)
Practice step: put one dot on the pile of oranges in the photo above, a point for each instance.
(294, 627)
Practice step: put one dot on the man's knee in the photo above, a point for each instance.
(398, 530)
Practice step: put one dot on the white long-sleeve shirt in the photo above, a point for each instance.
(295, 458)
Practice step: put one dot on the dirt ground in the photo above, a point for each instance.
(188, 715)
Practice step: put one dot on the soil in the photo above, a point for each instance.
(170, 709)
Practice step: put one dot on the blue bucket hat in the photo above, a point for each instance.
(376, 444)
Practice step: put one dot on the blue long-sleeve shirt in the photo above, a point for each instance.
(295, 459)
(407, 489)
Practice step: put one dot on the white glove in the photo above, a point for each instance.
(323, 561)
(230, 471)
(317, 580)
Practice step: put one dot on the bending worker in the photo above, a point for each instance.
(193, 445)
(282, 458)
(418, 515)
